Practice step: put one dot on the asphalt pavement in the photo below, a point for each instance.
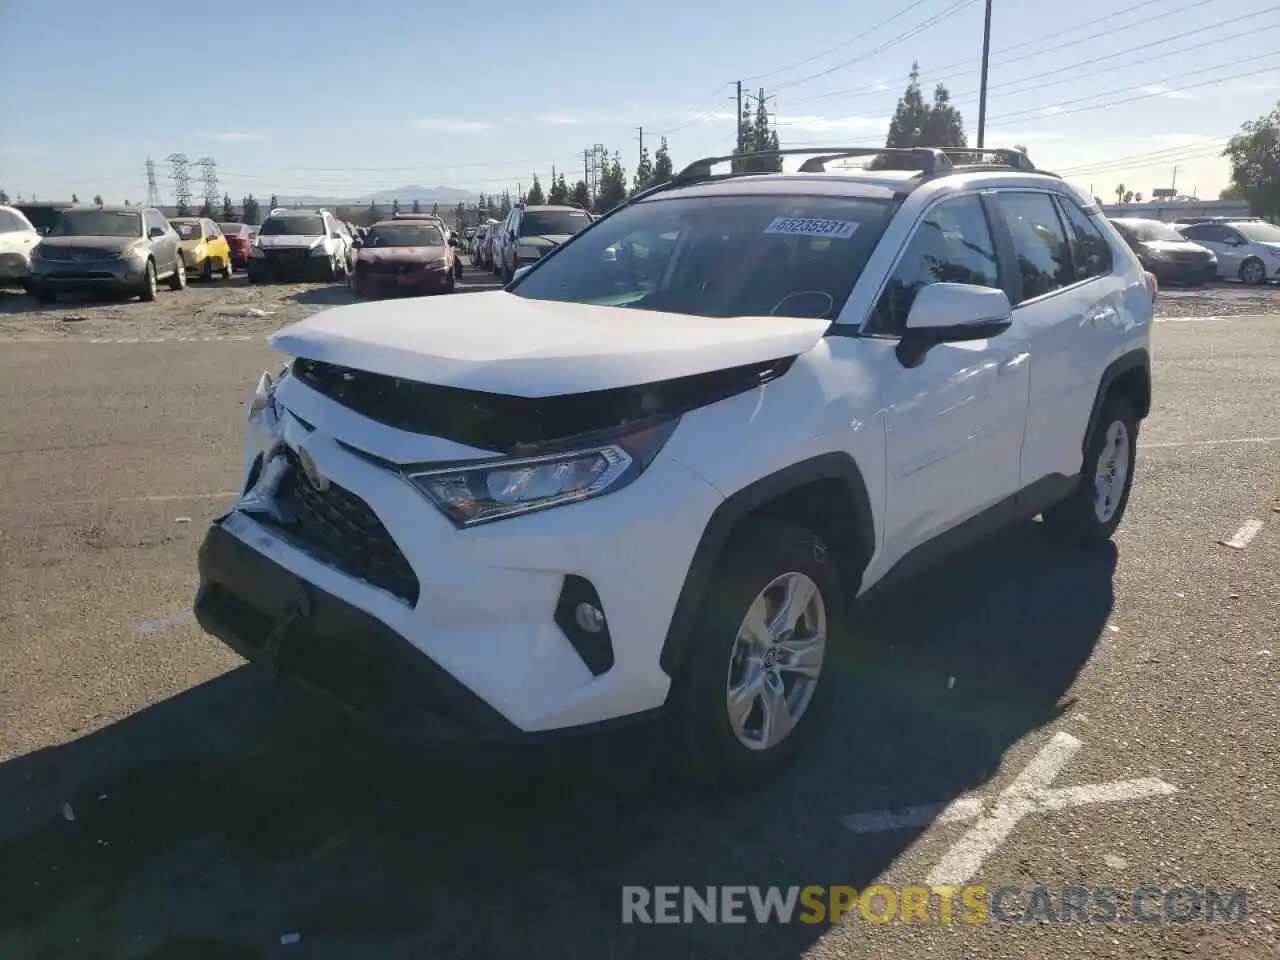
(158, 798)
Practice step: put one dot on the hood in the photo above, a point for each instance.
(545, 239)
(499, 343)
(1173, 246)
(287, 242)
(91, 243)
(402, 254)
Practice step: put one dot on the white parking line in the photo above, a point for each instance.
(1240, 539)
(1029, 793)
(154, 498)
(172, 620)
(1208, 443)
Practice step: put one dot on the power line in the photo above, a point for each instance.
(697, 118)
(1021, 114)
(181, 177)
(1168, 153)
(888, 44)
(839, 46)
(1054, 39)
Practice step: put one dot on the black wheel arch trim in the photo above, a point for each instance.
(1137, 359)
(724, 521)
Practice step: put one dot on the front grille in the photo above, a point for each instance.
(340, 529)
(54, 253)
(1190, 256)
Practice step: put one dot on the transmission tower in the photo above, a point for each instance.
(153, 192)
(181, 177)
(209, 175)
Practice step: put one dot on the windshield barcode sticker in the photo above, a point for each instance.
(808, 227)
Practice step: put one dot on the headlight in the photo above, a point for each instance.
(497, 489)
(1158, 254)
(264, 396)
(439, 264)
(525, 252)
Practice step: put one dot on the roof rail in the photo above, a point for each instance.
(1004, 157)
(933, 161)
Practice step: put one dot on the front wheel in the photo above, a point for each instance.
(1093, 512)
(752, 684)
(148, 291)
(1253, 272)
(179, 279)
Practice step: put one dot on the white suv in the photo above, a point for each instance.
(300, 244)
(652, 475)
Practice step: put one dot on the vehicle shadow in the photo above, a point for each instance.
(215, 822)
(330, 295)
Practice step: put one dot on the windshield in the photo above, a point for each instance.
(231, 229)
(1151, 230)
(406, 235)
(718, 256)
(1259, 232)
(299, 226)
(187, 229)
(537, 223)
(97, 223)
(42, 218)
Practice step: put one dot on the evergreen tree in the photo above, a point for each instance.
(372, 213)
(228, 211)
(535, 196)
(251, 213)
(613, 185)
(917, 123)
(662, 169)
(206, 210)
(504, 207)
(756, 134)
(417, 207)
(581, 194)
(395, 207)
(644, 172)
(559, 192)
(4, 197)
(75, 198)
(460, 213)
(482, 207)
(97, 199)
(1254, 154)
(275, 201)
(435, 209)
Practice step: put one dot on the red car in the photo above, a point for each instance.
(238, 238)
(399, 257)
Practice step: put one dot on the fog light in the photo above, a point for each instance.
(589, 617)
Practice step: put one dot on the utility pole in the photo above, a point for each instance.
(982, 94)
(181, 177)
(737, 148)
(1174, 184)
(153, 192)
(640, 130)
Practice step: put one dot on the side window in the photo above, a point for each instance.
(1039, 242)
(1232, 236)
(1209, 232)
(151, 220)
(211, 230)
(952, 244)
(1090, 252)
(8, 222)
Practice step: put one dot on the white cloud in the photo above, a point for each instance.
(442, 125)
(835, 124)
(233, 137)
(560, 119)
(21, 151)
(1158, 90)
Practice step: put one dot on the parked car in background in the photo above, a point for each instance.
(400, 257)
(42, 215)
(18, 237)
(239, 239)
(108, 249)
(1166, 253)
(204, 248)
(530, 233)
(300, 244)
(1247, 250)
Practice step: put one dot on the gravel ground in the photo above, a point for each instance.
(236, 310)
(159, 799)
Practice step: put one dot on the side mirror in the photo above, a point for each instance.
(520, 272)
(356, 243)
(952, 313)
(155, 232)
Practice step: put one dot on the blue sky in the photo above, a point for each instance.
(345, 99)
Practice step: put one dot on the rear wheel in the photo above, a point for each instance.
(45, 293)
(206, 271)
(1092, 514)
(148, 291)
(751, 688)
(179, 279)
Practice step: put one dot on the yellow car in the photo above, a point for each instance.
(203, 247)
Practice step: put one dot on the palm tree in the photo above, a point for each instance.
(1120, 193)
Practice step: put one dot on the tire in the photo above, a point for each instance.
(46, 294)
(452, 285)
(206, 271)
(757, 564)
(1085, 518)
(331, 270)
(148, 291)
(179, 279)
(1253, 272)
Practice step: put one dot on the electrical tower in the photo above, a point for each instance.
(153, 192)
(209, 176)
(181, 177)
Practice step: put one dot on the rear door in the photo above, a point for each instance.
(1214, 236)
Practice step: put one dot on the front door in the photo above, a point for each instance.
(954, 424)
